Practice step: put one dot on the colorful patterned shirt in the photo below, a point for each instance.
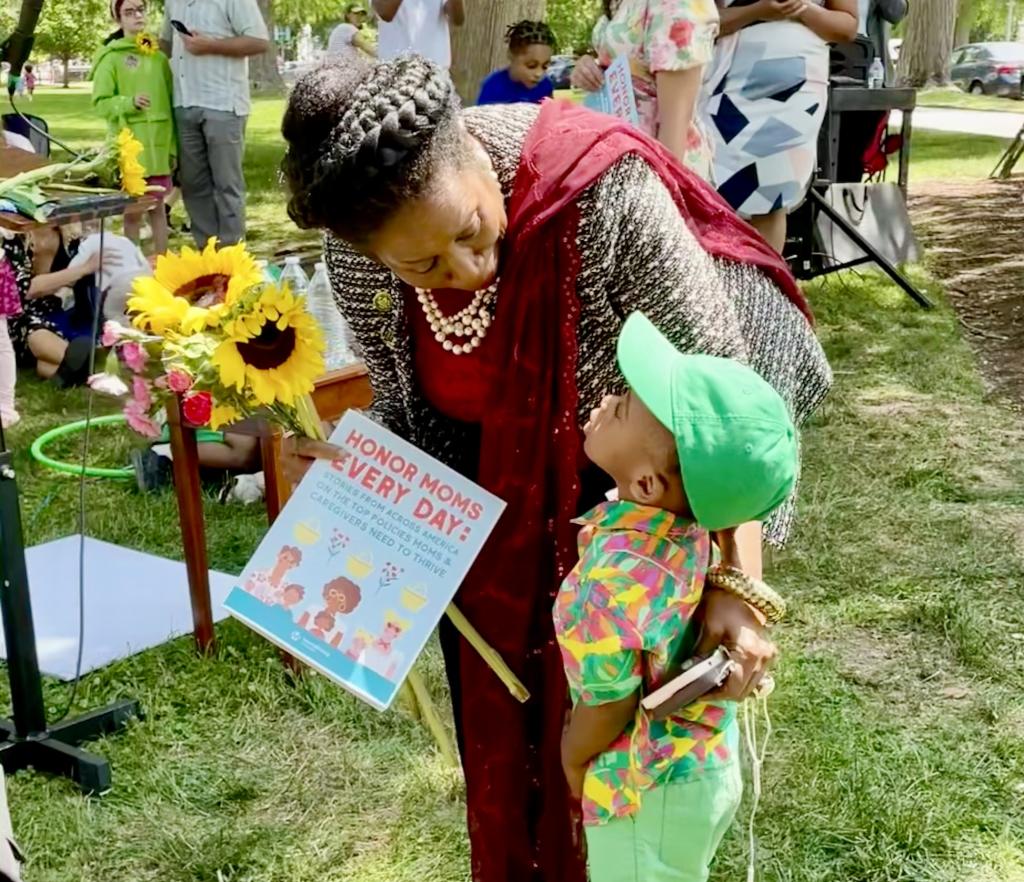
(624, 620)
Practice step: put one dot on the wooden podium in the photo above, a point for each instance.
(335, 393)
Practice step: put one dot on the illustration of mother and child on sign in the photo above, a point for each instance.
(325, 611)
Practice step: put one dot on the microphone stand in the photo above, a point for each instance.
(28, 739)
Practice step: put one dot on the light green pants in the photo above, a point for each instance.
(674, 836)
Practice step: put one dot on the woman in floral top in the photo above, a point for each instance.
(668, 43)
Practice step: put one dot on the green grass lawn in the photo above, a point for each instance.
(954, 97)
(898, 750)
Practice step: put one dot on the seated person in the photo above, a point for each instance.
(42, 334)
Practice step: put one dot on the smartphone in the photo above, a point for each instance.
(180, 28)
(699, 676)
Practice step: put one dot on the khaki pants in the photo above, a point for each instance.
(211, 145)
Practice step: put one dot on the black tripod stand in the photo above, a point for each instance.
(28, 740)
(817, 202)
(805, 252)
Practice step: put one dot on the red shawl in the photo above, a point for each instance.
(522, 825)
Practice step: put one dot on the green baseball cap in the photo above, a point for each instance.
(736, 441)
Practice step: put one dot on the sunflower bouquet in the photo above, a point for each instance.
(208, 329)
(114, 166)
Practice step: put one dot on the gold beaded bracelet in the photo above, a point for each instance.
(755, 592)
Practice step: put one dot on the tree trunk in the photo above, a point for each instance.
(927, 43)
(965, 17)
(67, 72)
(264, 77)
(478, 47)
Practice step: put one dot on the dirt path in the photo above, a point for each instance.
(973, 232)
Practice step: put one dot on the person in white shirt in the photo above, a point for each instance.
(211, 106)
(419, 26)
(347, 39)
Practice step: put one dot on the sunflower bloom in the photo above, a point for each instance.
(276, 353)
(133, 175)
(223, 415)
(191, 291)
(145, 43)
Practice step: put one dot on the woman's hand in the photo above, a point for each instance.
(587, 74)
(298, 454)
(141, 102)
(779, 10)
(733, 623)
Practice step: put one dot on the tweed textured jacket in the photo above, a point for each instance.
(636, 254)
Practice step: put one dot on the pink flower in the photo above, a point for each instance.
(178, 381)
(134, 356)
(108, 384)
(140, 393)
(140, 422)
(681, 33)
(197, 408)
(112, 332)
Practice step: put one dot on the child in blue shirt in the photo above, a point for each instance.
(530, 45)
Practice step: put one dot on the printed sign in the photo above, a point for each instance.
(616, 95)
(360, 565)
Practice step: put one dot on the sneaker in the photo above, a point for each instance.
(152, 471)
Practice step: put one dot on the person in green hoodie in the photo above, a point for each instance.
(132, 86)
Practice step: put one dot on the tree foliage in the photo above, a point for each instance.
(985, 20)
(8, 18)
(71, 29)
(572, 21)
(316, 13)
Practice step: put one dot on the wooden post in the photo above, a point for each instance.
(277, 491)
(190, 516)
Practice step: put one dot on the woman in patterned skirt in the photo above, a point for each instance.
(486, 260)
(764, 100)
(668, 42)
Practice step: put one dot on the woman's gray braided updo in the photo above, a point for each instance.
(364, 138)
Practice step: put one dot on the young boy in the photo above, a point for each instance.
(698, 444)
(530, 44)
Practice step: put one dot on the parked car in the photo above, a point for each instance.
(560, 70)
(989, 68)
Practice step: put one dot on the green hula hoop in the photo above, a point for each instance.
(76, 468)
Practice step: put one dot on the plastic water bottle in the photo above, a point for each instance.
(340, 348)
(270, 273)
(876, 74)
(293, 275)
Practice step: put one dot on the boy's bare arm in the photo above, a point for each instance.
(591, 731)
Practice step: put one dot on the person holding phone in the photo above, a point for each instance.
(209, 44)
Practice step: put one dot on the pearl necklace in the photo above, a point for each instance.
(468, 326)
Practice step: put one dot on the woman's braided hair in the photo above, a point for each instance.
(364, 138)
(527, 33)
